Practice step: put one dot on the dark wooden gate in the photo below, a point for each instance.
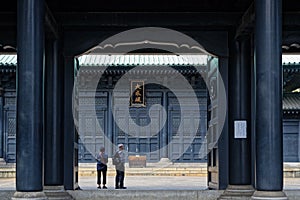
(9, 122)
(184, 145)
(139, 142)
(291, 134)
(92, 129)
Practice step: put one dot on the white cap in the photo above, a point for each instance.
(120, 145)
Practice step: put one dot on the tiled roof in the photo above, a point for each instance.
(289, 59)
(8, 63)
(114, 70)
(8, 60)
(142, 60)
(291, 101)
(101, 60)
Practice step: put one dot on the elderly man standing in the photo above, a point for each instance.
(119, 158)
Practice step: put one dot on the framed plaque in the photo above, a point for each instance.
(137, 93)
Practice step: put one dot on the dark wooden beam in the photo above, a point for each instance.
(148, 6)
(291, 21)
(78, 42)
(138, 19)
(51, 22)
(246, 23)
(8, 19)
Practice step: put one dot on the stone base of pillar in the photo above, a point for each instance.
(53, 188)
(29, 196)
(57, 193)
(269, 195)
(242, 192)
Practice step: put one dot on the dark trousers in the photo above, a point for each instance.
(120, 178)
(103, 171)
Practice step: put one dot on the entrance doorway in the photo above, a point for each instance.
(169, 142)
(178, 148)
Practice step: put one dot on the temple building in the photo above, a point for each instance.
(90, 136)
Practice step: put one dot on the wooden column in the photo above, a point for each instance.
(53, 134)
(269, 144)
(29, 139)
(70, 137)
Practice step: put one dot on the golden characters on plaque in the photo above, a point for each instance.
(137, 94)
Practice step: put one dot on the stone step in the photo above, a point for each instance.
(161, 195)
(5, 165)
(149, 172)
(148, 194)
(59, 196)
(7, 174)
(291, 170)
(57, 193)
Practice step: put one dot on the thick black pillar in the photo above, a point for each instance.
(240, 110)
(29, 138)
(269, 156)
(223, 157)
(53, 136)
(1, 123)
(70, 153)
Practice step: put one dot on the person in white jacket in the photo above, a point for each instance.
(120, 167)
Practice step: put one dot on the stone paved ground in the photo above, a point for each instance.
(151, 183)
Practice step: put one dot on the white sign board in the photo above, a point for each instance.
(240, 129)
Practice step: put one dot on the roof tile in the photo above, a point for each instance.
(291, 101)
(142, 59)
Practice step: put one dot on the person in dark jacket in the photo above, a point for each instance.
(102, 160)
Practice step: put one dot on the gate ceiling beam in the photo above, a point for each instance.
(164, 19)
(246, 22)
(51, 22)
